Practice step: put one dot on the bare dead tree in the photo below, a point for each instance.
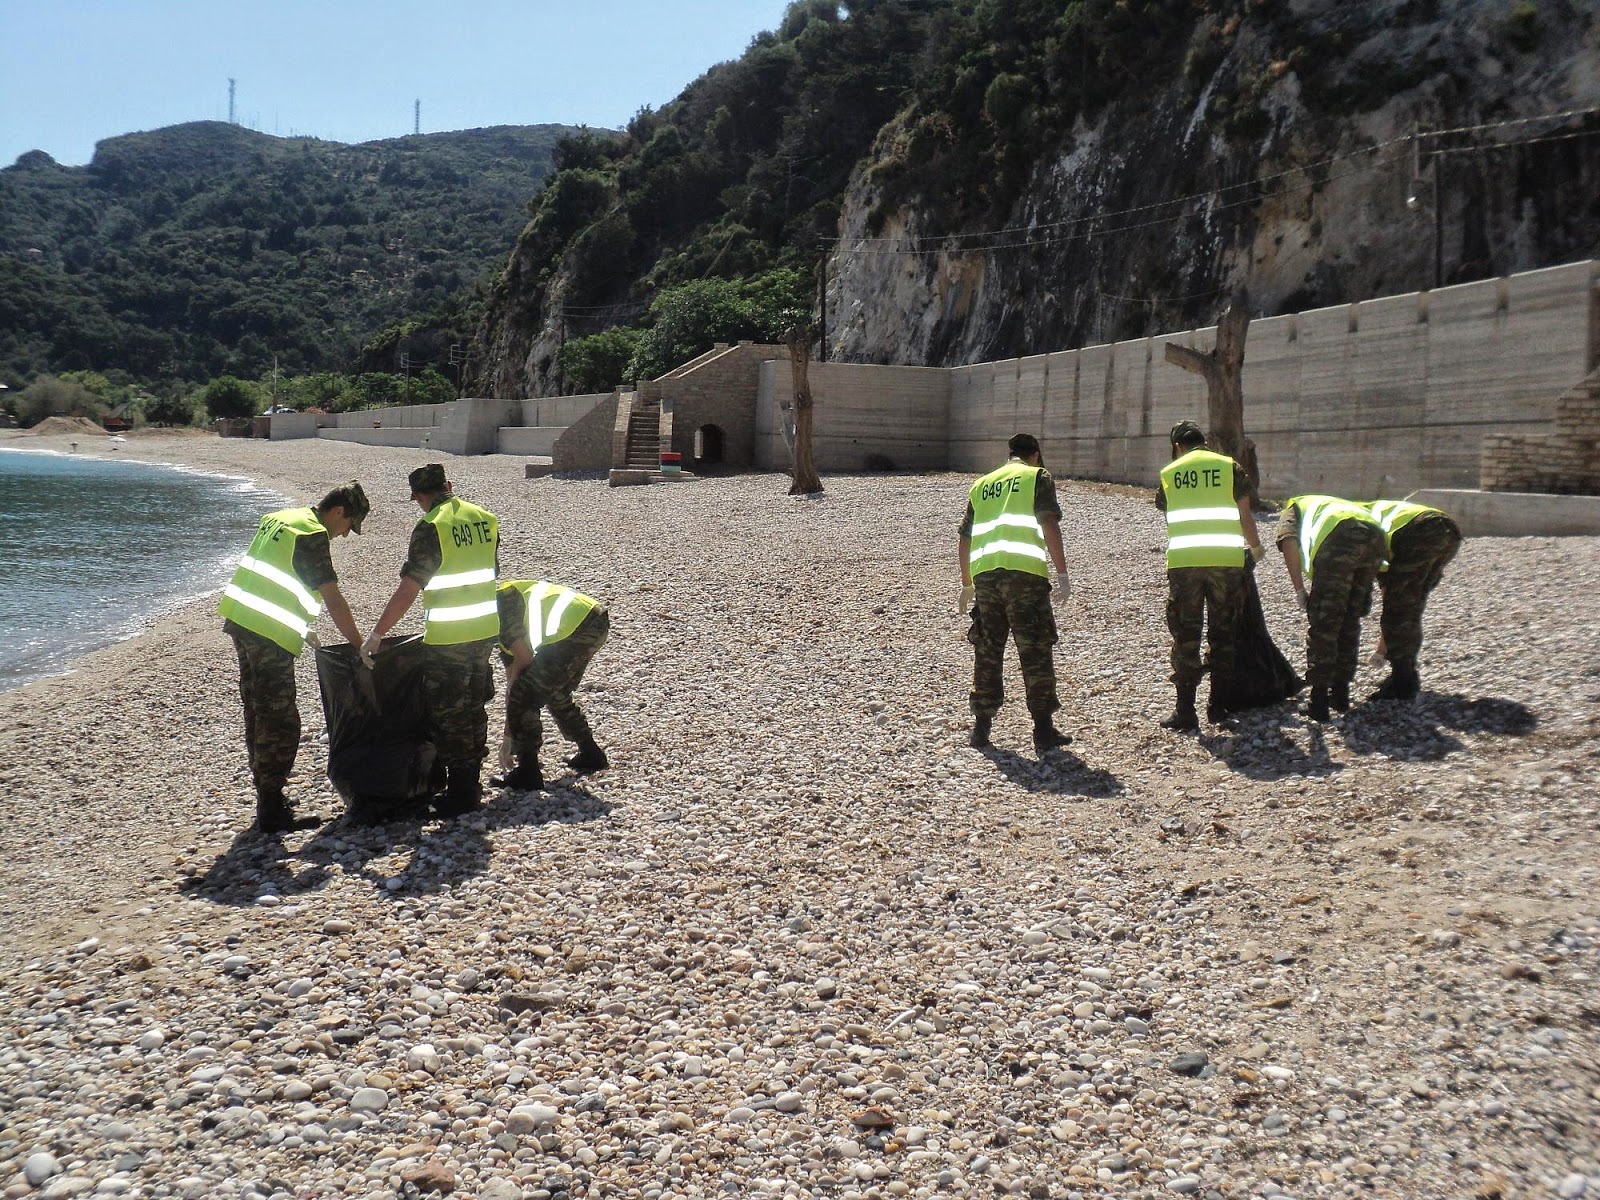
(1222, 369)
(806, 481)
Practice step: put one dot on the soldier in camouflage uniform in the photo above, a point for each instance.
(460, 627)
(1338, 547)
(570, 629)
(269, 609)
(1212, 541)
(1422, 542)
(1011, 530)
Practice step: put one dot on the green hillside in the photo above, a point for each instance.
(205, 249)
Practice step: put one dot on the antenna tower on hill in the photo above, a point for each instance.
(231, 82)
(416, 116)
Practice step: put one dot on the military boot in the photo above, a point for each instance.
(1047, 737)
(275, 815)
(1403, 683)
(588, 758)
(980, 731)
(1339, 697)
(524, 777)
(463, 792)
(1184, 719)
(1317, 708)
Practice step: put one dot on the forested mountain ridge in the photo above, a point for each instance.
(986, 178)
(206, 248)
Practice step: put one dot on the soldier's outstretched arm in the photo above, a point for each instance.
(521, 660)
(1247, 522)
(339, 609)
(405, 595)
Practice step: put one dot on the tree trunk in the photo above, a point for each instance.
(805, 466)
(1222, 369)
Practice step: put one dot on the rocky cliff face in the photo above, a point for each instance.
(1147, 219)
(1265, 144)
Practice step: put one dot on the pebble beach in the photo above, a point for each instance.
(801, 940)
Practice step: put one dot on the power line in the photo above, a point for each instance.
(936, 242)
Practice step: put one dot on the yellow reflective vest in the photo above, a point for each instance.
(1203, 526)
(265, 596)
(1005, 533)
(1395, 515)
(553, 611)
(459, 600)
(1320, 516)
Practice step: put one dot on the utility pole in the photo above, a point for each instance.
(231, 83)
(822, 308)
(1438, 222)
(416, 116)
(274, 381)
(458, 360)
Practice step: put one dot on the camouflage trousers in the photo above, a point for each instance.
(1418, 553)
(1347, 562)
(458, 684)
(549, 681)
(1212, 597)
(271, 716)
(1013, 604)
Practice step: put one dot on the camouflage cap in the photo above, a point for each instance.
(428, 479)
(1186, 431)
(359, 507)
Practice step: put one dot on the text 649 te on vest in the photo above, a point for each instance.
(1193, 477)
(999, 487)
(464, 533)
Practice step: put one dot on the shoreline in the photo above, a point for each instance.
(798, 896)
(259, 497)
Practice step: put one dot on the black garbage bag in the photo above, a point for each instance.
(1261, 675)
(380, 755)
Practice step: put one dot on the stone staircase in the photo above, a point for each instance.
(644, 436)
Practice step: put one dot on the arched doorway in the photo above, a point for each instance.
(708, 450)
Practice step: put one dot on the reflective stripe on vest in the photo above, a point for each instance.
(459, 600)
(1005, 533)
(1203, 526)
(265, 596)
(1320, 516)
(553, 612)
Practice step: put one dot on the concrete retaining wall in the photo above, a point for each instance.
(897, 414)
(1516, 514)
(586, 444)
(1367, 399)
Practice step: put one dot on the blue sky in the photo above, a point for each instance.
(75, 71)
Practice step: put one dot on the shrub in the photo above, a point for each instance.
(599, 362)
(48, 396)
(231, 397)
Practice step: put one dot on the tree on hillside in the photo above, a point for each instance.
(599, 362)
(48, 396)
(230, 397)
(171, 409)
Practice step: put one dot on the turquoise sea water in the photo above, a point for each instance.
(92, 548)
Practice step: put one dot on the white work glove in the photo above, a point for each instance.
(1258, 552)
(313, 640)
(969, 597)
(1300, 598)
(370, 647)
(508, 755)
